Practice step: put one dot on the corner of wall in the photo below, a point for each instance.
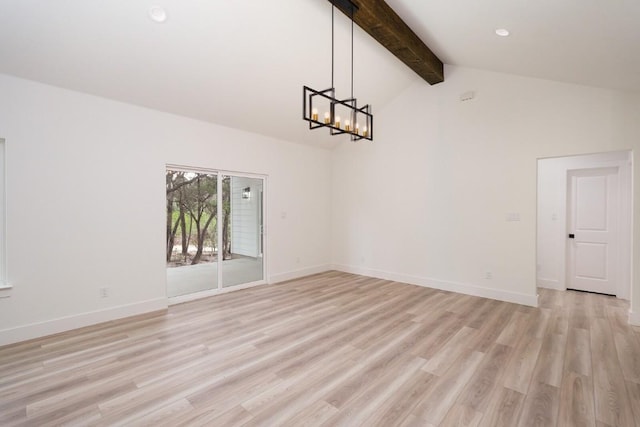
(296, 274)
(550, 284)
(461, 288)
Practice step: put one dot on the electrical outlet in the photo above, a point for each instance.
(104, 292)
(488, 275)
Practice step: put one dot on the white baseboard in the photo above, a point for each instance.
(63, 324)
(634, 318)
(462, 288)
(295, 274)
(550, 284)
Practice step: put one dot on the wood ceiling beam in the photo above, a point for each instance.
(381, 22)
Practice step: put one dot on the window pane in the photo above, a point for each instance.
(242, 200)
(191, 250)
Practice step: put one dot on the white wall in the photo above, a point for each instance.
(86, 200)
(627, 132)
(245, 237)
(552, 215)
(427, 202)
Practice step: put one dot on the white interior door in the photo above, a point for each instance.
(592, 227)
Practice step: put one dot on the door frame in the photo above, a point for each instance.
(220, 289)
(623, 267)
(624, 229)
(553, 274)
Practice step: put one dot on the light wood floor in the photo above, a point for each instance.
(337, 349)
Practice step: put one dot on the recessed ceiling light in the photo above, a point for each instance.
(502, 32)
(158, 14)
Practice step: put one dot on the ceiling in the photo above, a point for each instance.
(242, 63)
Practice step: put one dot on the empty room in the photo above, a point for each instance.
(319, 212)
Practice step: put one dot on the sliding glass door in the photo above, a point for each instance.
(191, 252)
(214, 230)
(242, 235)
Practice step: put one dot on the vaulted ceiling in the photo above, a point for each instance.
(242, 63)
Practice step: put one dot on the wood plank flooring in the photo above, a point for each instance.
(336, 349)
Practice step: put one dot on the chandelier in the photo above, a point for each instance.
(340, 116)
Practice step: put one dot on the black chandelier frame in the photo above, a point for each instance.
(351, 104)
(309, 95)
